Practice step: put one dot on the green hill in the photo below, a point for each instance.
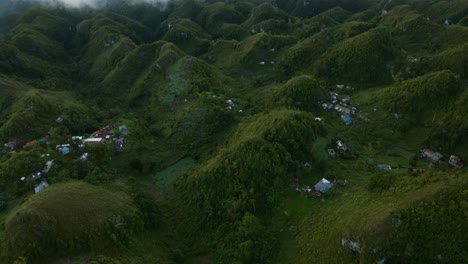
(218, 118)
(42, 225)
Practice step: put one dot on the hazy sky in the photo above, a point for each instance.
(91, 3)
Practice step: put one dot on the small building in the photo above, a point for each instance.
(30, 144)
(64, 150)
(118, 147)
(92, 141)
(327, 106)
(84, 156)
(431, 155)
(348, 119)
(331, 152)
(230, 103)
(123, 130)
(41, 186)
(341, 145)
(323, 186)
(456, 161)
(103, 132)
(10, 144)
(47, 166)
(384, 167)
(353, 245)
(342, 109)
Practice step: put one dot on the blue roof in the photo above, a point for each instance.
(348, 119)
(65, 150)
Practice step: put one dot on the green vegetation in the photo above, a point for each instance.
(100, 219)
(219, 119)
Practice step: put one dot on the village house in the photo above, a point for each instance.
(323, 186)
(84, 156)
(64, 149)
(118, 146)
(342, 109)
(93, 141)
(456, 161)
(10, 144)
(41, 186)
(103, 132)
(123, 130)
(327, 106)
(348, 119)
(30, 144)
(431, 155)
(384, 167)
(341, 145)
(47, 166)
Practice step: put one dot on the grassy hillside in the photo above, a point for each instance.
(41, 225)
(224, 116)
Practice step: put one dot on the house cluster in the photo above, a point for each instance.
(435, 157)
(39, 175)
(231, 106)
(106, 134)
(341, 104)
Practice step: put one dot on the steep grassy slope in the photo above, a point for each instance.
(226, 132)
(41, 226)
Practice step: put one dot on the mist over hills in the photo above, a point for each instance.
(233, 131)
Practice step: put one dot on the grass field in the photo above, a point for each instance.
(169, 175)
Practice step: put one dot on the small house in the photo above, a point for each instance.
(341, 145)
(230, 103)
(348, 119)
(456, 161)
(323, 186)
(84, 156)
(30, 144)
(41, 186)
(342, 109)
(431, 155)
(119, 144)
(103, 132)
(327, 106)
(331, 152)
(10, 144)
(65, 150)
(92, 141)
(384, 167)
(47, 166)
(123, 130)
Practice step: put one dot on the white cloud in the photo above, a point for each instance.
(91, 3)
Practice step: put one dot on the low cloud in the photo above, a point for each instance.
(92, 3)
